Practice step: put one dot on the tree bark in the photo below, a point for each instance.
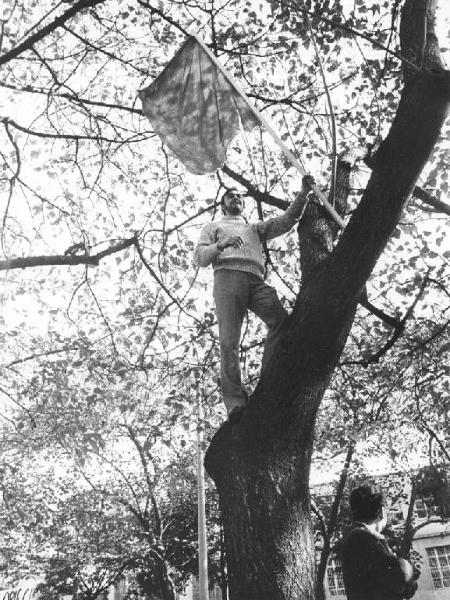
(261, 464)
(263, 501)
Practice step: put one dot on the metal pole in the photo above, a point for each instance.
(202, 542)
(295, 162)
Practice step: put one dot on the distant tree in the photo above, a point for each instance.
(128, 499)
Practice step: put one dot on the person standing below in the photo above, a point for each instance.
(234, 248)
(370, 569)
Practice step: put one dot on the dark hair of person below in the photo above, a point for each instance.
(366, 504)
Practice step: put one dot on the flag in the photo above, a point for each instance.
(195, 110)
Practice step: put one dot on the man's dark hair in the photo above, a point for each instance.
(366, 504)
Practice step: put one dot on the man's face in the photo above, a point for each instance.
(234, 203)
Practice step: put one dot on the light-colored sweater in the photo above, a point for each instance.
(249, 256)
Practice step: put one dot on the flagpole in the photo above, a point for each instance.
(294, 160)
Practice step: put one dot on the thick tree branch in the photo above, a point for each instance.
(388, 319)
(429, 199)
(64, 260)
(418, 192)
(262, 197)
(399, 328)
(420, 526)
(50, 28)
(350, 157)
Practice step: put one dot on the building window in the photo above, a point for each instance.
(425, 506)
(439, 559)
(335, 578)
(394, 514)
(421, 508)
(195, 589)
(215, 593)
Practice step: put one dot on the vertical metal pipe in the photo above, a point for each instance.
(202, 542)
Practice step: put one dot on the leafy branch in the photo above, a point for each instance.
(138, 137)
(50, 28)
(335, 24)
(164, 16)
(399, 328)
(65, 260)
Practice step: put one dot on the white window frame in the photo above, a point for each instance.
(421, 508)
(335, 579)
(439, 562)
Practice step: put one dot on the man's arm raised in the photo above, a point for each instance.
(277, 226)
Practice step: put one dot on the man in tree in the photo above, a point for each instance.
(234, 248)
(371, 570)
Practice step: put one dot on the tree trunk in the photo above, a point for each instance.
(155, 580)
(408, 534)
(261, 464)
(265, 512)
(165, 584)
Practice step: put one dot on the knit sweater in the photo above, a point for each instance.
(249, 256)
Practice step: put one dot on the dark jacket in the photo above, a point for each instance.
(371, 570)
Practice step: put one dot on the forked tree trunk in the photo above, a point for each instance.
(261, 464)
